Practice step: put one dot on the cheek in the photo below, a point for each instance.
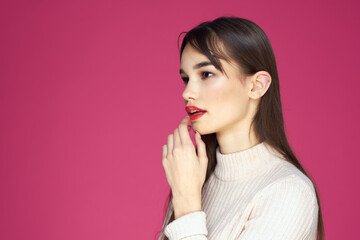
(218, 88)
(220, 97)
(216, 94)
(225, 99)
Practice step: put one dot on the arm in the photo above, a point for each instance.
(286, 210)
(185, 168)
(191, 226)
(190, 220)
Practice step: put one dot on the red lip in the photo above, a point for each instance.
(189, 108)
(196, 116)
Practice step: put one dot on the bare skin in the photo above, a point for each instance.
(185, 171)
(230, 106)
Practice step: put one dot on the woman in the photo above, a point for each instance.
(242, 181)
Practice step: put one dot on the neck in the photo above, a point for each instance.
(236, 139)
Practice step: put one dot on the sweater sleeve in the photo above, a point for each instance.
(191, 226)
(286, 209)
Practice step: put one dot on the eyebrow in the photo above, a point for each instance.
(198, 65)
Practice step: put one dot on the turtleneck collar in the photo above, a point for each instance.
(234, 166)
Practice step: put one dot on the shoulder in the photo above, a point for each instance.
(289, 189)
(284, 174)
(285, 207)
(297, 184)
(284, 179)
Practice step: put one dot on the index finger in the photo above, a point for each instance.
(184, 132)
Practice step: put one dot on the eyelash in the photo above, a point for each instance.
(185, 79)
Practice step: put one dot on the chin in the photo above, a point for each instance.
(202, 131)
(202, 128)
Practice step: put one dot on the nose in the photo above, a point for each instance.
(190, 92)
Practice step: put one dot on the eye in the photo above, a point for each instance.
(206, 74)
(185, 79)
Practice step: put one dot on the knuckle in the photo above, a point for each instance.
(175, 151)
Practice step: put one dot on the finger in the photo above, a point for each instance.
(177, 141)
(189, 127)
(185, 120)
(164, 151)
(201, 148)
(184, 131)
(170, 143)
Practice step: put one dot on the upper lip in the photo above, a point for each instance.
(189, 108)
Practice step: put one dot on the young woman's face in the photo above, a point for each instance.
(223, 97)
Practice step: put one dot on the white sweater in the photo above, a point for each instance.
(253, 194)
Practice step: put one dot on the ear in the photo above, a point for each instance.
(260, 84)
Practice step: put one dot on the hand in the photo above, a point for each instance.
(185, 170)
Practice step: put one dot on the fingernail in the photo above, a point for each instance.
(198, 134)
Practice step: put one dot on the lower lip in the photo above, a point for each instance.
(196, 116)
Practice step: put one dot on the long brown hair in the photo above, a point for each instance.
(246, 44)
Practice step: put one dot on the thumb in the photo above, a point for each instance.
(201, 148)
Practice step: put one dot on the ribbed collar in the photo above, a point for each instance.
(237, 165)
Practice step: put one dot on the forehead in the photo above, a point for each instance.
(191, 56)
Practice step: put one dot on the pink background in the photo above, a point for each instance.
(89, 91)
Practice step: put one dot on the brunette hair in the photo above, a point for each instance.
(244, 42)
